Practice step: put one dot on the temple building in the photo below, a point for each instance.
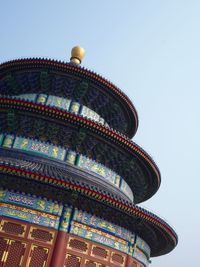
(71, 178)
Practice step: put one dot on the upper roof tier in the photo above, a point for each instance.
(72, 81)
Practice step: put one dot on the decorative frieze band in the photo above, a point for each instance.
(31, 202)
(68, 156)
(72, 220)
(64, 104)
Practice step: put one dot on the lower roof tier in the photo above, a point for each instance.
(25, 209)
(86, 137)
(50, 77)
(34, 177)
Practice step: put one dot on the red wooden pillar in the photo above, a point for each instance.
(59, 252)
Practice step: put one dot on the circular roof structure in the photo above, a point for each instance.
(113, 149)
(24, 172)
(106, 143)
(69, 80)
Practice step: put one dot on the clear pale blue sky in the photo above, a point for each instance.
(151, 50)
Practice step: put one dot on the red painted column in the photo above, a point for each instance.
(59, 253)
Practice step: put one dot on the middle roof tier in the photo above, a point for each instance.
(67, 156)
(84, 136)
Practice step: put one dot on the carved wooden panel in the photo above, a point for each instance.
(117, 259)
(25, 245)
(3, 249)
(78, 245)
(13, 228)
(99, 252)
(92, 254)
(15, 253)
(89, 263)
(38, 256)
(42, 235)
(72, 261)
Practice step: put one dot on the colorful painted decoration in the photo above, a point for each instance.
(64, 104)
(126, 189)
(51, 214)
(59, 153)
(59, 102)
(65, 219)
(97, 168)
(139, 255)
(142, 245)
(90, 114)
(105, 227)
(29, 97)
(41, 99)
(31, 202)
(71, 157)
(74, 108)
(8, 141)
(39, 147)
(98, 223)
(29, 215)
(98, 236)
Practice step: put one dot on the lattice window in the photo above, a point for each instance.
(13, 228)
(41, 235)
(72, 261)
(38, 257)
(97, 251)
(117, 258)
(77, 244)
(89, 263)
(15, 253)
(3, 248)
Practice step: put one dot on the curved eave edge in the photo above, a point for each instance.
(114, 135)
(122, 205)
(80, 71)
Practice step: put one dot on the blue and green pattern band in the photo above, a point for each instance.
(65, 155)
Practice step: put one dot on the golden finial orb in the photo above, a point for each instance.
(77, 54)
